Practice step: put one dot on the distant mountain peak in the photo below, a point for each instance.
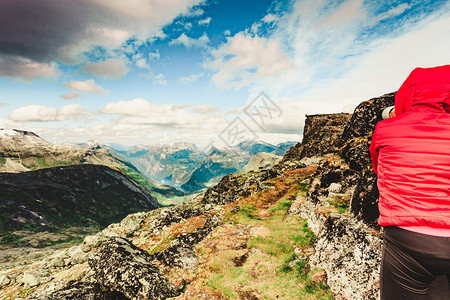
(13, 132)
(4, 132)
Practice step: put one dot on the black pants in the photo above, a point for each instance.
(414, 266)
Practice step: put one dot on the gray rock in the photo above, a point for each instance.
(350, 256)
(4, 281)
(335, 188)
(180, 253)
(57, 262)
(92, 241)
(79, 258)
(30, 279)
(84, 291)
(122, 267)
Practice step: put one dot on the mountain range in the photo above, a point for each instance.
(22, 151)
(185, 166)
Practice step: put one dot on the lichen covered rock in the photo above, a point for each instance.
(122, 267)
(351, 257)
(84, 291)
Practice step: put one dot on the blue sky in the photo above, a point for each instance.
(165, 71)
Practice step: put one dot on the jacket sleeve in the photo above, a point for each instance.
(374, 152)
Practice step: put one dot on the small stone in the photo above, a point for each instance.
(30, 280)
(335, 187)
(4, 281)
(92, 241)
(319, 277)
(57, 262)
(235, 209)
(79, 258)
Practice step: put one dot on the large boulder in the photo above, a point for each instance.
(122, 267)
(84, 291)
(351, 257)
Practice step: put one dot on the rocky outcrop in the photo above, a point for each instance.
(320, 136)
(351, 256)
(355, 143)
(342, 204)
(181, 251)
(122, 267)
(234, 186)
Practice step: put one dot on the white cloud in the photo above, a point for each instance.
(204, 21)
(350, 11)
(72, 112)
(69, 96)
(39, 113)
(140, 111)
(393, 12)
(25, 68)
(160, 79)
(269, 18)
(318, 46)
(142, 63)
(62, 31)
(227, 32)
(244, 58)
(188, 42)
(88, 86)
(191, 78)
(206, 109)
(110, 68)
(390, 61)
(194, 12)
(154, 55)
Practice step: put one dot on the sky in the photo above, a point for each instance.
(207, 72)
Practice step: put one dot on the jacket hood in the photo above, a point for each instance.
(425, 90)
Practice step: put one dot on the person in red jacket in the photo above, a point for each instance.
(411, 156)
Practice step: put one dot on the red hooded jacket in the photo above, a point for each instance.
(411, 153)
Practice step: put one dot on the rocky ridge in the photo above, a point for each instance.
(25, 151)
(302, 229)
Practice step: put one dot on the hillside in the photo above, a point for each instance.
(22, 151)
(303, 229)
(56, 199)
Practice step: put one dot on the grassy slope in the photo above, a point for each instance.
(162, 193)
(275, 271)
(260, 251)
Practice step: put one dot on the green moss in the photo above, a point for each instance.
(341, 204)
(282, 206)
(246, 211)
